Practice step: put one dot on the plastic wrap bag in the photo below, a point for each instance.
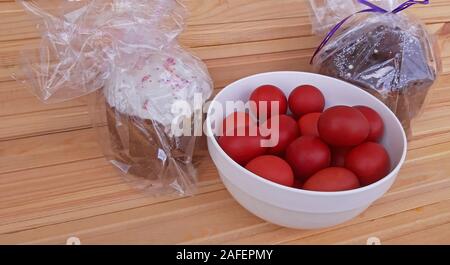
(390, 55)
(124, 53)
(327, 13)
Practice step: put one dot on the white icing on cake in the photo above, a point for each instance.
(149, 88)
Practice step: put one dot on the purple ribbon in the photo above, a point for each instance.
(372, 9)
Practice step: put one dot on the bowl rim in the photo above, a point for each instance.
(213, 140)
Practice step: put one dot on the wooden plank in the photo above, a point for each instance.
(432, 236)
(77, 189)
(36, 123)
(16, 24)
(249, 31)
(215, 210)
(193, 206)
(16, 99)
(215, 12)
(358, 230)
(400, 224)
(46, 150)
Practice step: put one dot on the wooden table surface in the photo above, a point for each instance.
(55, 183)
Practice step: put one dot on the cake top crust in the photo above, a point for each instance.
(150, 88)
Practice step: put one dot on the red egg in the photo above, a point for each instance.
(242, 149)
(286, 133)
(369, 161)
(307, 155)
(238, 124)
(332, 179)
(268, 94)
(343, 126)
(272, 168)
(375, 121)
(308, 124)
(306, 99)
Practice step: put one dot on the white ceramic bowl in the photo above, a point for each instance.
(297, 208)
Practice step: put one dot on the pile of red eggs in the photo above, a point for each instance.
(335, 149)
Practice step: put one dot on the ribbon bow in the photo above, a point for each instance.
(372, 9)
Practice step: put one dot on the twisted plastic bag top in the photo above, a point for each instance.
(327, 13)
(85, 43)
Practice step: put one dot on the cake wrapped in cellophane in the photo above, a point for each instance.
(383, 51)
(125, 55)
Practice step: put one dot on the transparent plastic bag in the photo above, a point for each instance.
(327, 13)
(124, 53)
(391, 56)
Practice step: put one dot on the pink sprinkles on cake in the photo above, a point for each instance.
(146, 78)
(145, 106)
